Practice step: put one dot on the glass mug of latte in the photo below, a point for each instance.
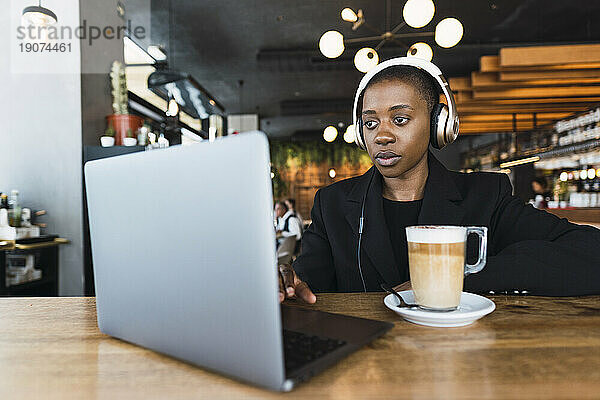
(436, 259)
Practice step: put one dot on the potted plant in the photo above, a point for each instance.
(108, 139)
(121, 120)
(129, 140)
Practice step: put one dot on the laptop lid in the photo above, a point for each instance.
(183, 247)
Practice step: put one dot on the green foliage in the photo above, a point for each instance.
(280, 187)
(118, 83)
(129, 133)
(110, 131)
(315, 153)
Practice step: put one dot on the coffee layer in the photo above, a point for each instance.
(437, 273)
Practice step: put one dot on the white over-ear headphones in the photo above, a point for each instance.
(444, 118)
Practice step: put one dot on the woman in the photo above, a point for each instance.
(528, 249)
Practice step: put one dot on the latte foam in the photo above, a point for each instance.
(436, 234)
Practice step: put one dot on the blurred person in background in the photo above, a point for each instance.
(541, 194)
(291, 205)
(287, 223)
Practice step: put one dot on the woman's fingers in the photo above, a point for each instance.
(291, 286)
(303, 292)
(287, 273)
(281, 287)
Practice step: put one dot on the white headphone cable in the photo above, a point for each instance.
(360, 230)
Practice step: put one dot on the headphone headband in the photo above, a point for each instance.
(448, 133)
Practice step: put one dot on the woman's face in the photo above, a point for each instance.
(396, 123)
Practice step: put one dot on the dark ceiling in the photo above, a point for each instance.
(271, 46)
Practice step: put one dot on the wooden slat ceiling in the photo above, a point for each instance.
(528, 87)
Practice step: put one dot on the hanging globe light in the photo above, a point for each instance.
(38, 16)
(332, 173)
(365, 59)
(420, 50)
(448, 32)
(330, 133)
(563, 176)
(349, 15)
(172, 108)
(591, 173)
(418, 13)
(350, 134)
(331, 44)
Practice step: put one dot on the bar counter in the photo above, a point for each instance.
(528, 348)
(582, 216)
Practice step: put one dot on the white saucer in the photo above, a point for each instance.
(471, 308)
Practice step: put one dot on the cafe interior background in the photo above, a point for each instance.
(525, 74)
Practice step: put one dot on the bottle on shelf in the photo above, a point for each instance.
(142, 136)
(14, 212)
(3, 210)
(162, 140)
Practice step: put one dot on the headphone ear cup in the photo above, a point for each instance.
(439, 119)
(358, 131)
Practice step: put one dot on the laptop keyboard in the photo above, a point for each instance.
(300, 349)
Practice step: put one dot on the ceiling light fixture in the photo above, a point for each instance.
(448, 32)
(173, 108)
(420, 50)
(519, 162)
(350, 134)
(349, 15)
(331, 44)
(416, 13)
(564, 176)
(38, 16)
(591, 173)
(365, 59)
(330, 133)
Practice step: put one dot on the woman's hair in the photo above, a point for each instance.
(541, 181)
(283, 205)
(420, 80)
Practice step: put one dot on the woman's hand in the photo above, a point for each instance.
(291, 286)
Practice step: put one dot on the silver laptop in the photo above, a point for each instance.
(183, 248)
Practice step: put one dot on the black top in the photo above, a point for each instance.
(399, 215)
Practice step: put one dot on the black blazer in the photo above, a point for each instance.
(528, 249)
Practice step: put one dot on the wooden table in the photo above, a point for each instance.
(50, 348)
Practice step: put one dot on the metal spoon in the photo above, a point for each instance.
(403, 304)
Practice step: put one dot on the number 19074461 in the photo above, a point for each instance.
(41, 47)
